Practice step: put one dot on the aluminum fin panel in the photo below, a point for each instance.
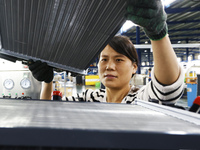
(96, 126)
(67, 34)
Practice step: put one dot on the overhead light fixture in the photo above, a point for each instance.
(178, 59)
(143, 63)
(189, 58)
(127, 25)
(167, 2)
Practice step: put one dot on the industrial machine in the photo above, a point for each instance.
(191, 78)
(16, 81)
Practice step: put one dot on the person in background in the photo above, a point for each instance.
(149, 74)
(118, 63)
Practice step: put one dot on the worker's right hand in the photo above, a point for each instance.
(41, 71)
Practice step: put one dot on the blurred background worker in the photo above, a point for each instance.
(149, 74)
(118, 63)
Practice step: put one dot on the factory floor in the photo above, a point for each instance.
(80, 88)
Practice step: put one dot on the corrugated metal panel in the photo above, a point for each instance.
(67, 34)
(56, 124)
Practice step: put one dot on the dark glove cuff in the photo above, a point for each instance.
(49, 76)
(156, 37)
(48, 81)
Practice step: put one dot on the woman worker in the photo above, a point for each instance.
(118, 63)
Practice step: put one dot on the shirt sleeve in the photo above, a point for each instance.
(164, 94)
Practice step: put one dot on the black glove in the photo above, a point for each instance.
(150, 15)
(41, 71)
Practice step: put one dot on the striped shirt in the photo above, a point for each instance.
(153, 91)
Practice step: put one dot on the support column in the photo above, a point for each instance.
(138, 50)
(187, 51)
(193, 56)
(181, 58)
(149, 57)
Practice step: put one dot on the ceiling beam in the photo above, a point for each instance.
(140, 46)
(171, 39)
(178, 30)
(176, 40)
(183, 35)
(181, 51)
(133, 34)
(181, 10)
(185, 21)
(173, 30)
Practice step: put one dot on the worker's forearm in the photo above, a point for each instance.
(46, 91)
(166, 68)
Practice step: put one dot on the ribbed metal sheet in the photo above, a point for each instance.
(143, 125)
(67, 34)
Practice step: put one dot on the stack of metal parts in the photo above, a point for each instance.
(38, 125)
(67, 34)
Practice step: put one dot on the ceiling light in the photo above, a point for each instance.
(167, 2)
(143, 63)
(178, 59)
(189, 58)
(127, 25)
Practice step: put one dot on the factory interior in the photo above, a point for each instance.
(69, 35)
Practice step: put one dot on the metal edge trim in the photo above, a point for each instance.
(174, 112)
(54, 65)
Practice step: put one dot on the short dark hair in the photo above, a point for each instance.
(123, 45)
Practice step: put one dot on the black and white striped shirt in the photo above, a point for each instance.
(153, 91)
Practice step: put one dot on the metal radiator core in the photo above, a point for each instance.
(67, 34)
(96, 126)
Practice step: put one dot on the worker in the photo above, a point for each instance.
(118, 62)
(149, 74)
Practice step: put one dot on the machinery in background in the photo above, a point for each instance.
(92, 77)
(192, 77)
(139, 80)
(92, 80)
(16, 81)
(64, 83)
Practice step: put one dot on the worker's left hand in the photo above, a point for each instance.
(40, 70)
(150, 15)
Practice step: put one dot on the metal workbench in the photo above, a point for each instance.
(76, 125)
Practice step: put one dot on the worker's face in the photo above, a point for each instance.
(115, 69)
